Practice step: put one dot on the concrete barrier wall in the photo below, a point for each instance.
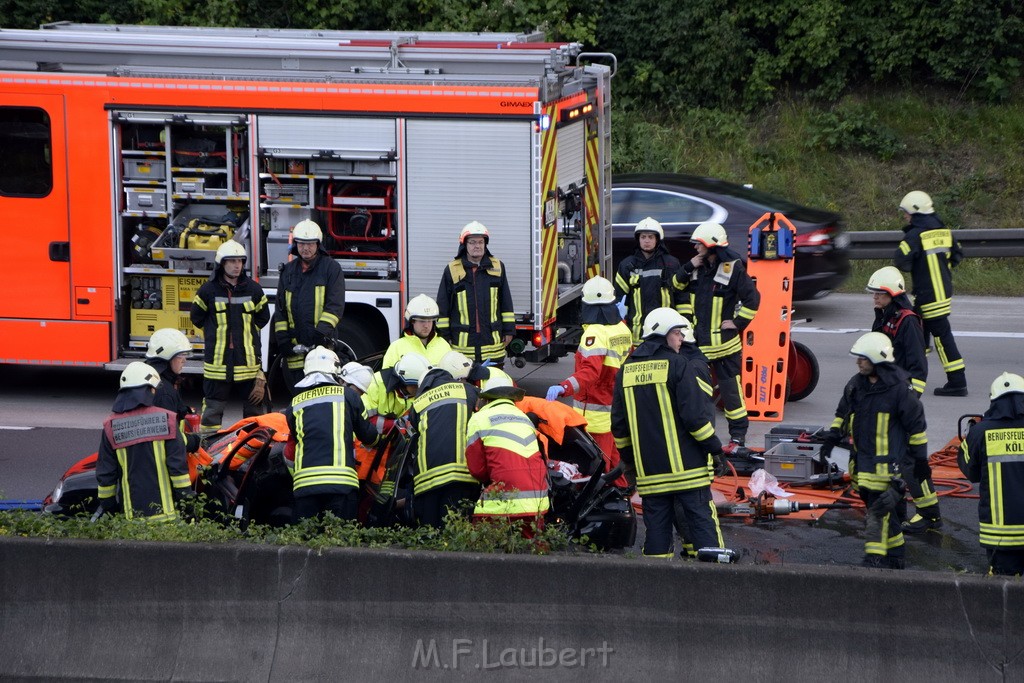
(149, 611)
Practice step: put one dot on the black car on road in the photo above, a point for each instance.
(682, 202)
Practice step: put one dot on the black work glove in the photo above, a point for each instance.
(626, 455)
(831, 439)
(720, 463)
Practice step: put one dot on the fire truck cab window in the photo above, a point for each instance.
(26, 152)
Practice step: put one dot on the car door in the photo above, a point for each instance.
(679, 213)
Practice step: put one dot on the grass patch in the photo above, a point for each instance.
(857, 157)
(976, 276)
(459, 533)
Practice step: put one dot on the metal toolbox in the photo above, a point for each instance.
(790, 461)
(146, 199)
(291, 193)
(786, 433)
(189, 185)
(144, 169)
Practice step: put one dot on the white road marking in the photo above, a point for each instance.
(956, 333)
(17, 429)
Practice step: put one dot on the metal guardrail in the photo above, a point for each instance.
(981, 242)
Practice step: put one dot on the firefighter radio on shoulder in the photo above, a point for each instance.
(199, 234)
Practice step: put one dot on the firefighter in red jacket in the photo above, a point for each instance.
(722, 301)
(440, 419)
(323, 419)
(663, 422)
(896, 319)
(474, 299)
(503, 454)
(929, 253)
(605, 343)
(141, 451)
(992, 455)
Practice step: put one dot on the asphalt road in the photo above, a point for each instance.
(50, 417)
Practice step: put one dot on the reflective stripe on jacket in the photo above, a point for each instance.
(715, 294)
(598, 358)
(662, 412)
(503, 454)
(231, 319)
(928, 252)
(440, 418)
(475, 305)
(992, 455)
(142, 453)
(323, 421)
(885, 420)
(647, 284)
(308, 302)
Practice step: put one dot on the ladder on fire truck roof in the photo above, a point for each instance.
(292, 54)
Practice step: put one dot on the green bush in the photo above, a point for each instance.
(459, 534)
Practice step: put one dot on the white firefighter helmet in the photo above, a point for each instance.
(710, 235)
(1006, 383)
(661, 321)
(499, 385)
(411, 367)
(422, 307)
(888, 280)
(650, 225)
(307, 231)
(598, 290)
(230, 249)
(138, 374)
(167, 343)
(357, 374)
(917, 202)
(456, 364)
(322, 359)
(474, 228)
(874, 346)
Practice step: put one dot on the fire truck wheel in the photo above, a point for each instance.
(358, 339)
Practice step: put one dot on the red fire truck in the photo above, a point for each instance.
(130, 152)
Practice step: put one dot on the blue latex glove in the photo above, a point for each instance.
(487, 363)
(554, 391)
(621, 305)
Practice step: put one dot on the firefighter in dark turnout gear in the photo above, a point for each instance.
(721, 299)
(645, 277)
(166, 353)
(476, 313)
(885, 421)
(928, 252)
(310, 300)
(323, 418)
(896, 319)
(992, 455)
(230, 309)
(440, 419)
(142, 454)
(662, 419)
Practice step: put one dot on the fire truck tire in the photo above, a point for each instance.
(802, 373)
(358, 338)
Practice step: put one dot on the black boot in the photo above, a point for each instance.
(925, 519)
(956, 385)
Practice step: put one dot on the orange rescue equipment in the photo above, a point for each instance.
(766, 340)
